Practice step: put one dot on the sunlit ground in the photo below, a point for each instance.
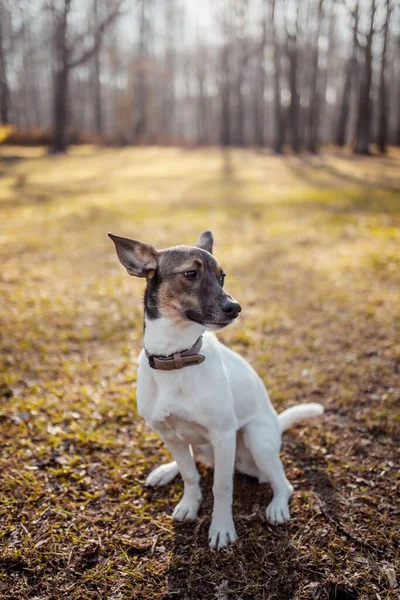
(311, 250)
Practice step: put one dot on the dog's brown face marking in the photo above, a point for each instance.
(183, 282)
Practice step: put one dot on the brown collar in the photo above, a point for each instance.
(178, 360)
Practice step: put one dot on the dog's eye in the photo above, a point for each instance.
(190, 274)
(222, 279)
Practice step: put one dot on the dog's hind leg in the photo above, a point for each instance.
(162, 475)
(244, 461)
(265, 451)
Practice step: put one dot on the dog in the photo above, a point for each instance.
(205, 401)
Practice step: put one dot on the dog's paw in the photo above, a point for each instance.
(162, 475)
(277, 511)
(186, 510)
(221, 534)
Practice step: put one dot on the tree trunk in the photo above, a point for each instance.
(168, 95)
(60, 142)
(294, 108)
(259, 125)
(341, 133)
(201, 112)
(4, 89)
(258, 116)
(383, 99)
(98, 113)
(396, 89)
(225, 95)
(240, 45)
(397, 134)
(279, 132)
(294, 101)
(201, 98)
(61, 73)
(326, 114)
(364, 102)
(314, 108)
(140, 125)
(239, 138)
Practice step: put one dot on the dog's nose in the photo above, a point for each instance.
(231, 308)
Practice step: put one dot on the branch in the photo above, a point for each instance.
(97, 37)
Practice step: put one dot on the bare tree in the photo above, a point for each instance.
(351, 69)
(201, 97)
(98, 113)
(225, 93)
(364, 100)
(168, 80)
(225, 79)
(141, 88)
(66, 59)
(259, 83)
(314, 106)
(383, 98)
(278, 113)
(293, 58)
(242, 56)
(397, 134)
(4, 88)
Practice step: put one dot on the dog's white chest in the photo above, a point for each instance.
(175, 428)
(175, 420)
(173, 406)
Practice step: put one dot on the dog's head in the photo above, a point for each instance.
(184, 283)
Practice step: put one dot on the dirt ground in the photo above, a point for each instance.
(311, 250)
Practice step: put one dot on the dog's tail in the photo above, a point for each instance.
(292, 415)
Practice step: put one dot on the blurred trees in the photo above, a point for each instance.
(273, 73)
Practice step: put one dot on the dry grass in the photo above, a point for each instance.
(311, 248)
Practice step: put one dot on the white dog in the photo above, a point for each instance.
(204, 400)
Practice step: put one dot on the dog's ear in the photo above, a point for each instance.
(205, 241)
(138, 259)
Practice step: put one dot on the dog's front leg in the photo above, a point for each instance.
(222, 530)
(188, 507)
